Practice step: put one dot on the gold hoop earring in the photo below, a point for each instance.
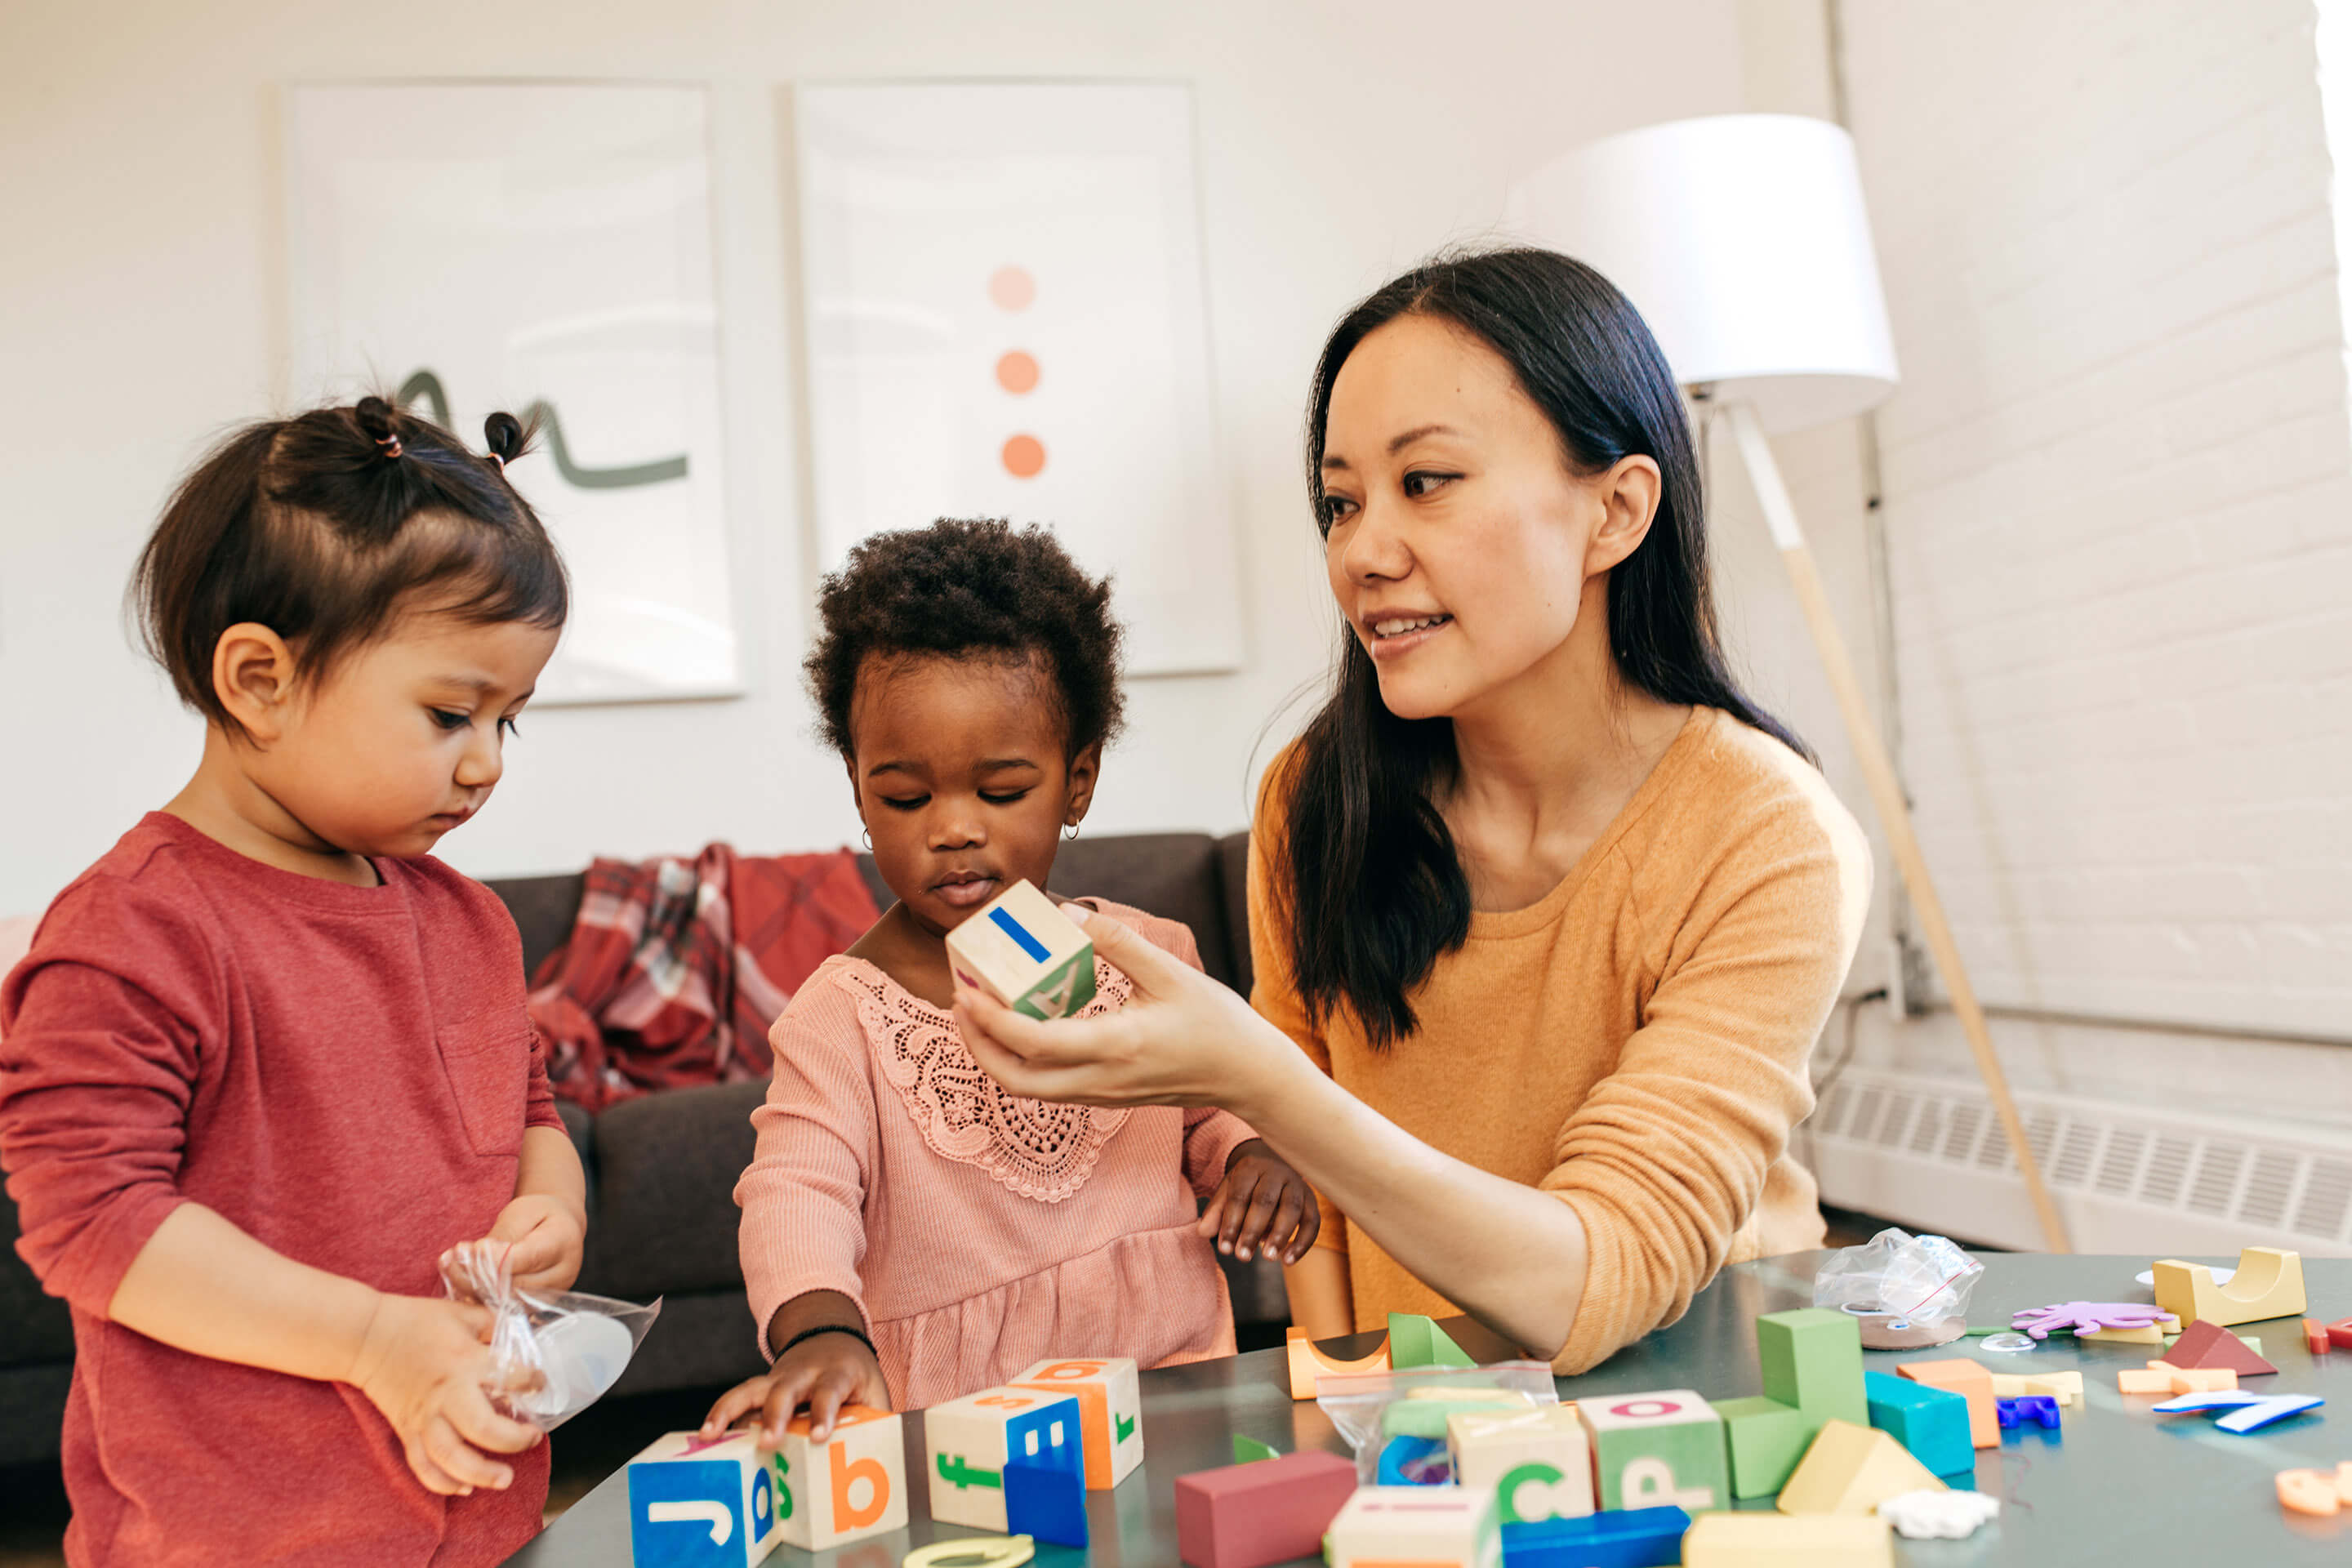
(1071, 834)
(867, 834)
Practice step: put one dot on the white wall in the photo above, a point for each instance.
(142, 274)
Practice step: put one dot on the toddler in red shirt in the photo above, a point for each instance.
(268, 1058)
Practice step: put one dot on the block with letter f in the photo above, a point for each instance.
(968, 1441)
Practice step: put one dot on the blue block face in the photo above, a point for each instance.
(1933, 1423)
(1049, 1436)
(1048, 1501)
(1615, 1538)
(688, 1514)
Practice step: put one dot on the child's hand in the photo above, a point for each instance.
(547, 1236)
(1261, 1202)
(825, 1372)
(424, 1364)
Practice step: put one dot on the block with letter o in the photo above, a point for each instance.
(1656, 1450)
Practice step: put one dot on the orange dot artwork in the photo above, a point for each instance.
(1017, 372)
(1012, 287)
(1024, 457)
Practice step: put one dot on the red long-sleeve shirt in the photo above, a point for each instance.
(345, 1073)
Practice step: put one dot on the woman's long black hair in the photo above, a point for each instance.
(1374, 891)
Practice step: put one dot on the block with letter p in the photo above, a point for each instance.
(697, 1504)
(1026, 953)
(1656, 1450)
(1111, 1411)
(968, 1441)
(851, 1486)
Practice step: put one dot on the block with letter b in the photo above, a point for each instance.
(968, 1441)
(1111, 1411)
(1656, 1450)
(697, 1504)
(851, 1486)
(1026, 953)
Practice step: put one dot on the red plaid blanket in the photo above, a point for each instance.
(676, 968)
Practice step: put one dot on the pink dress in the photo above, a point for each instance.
(979, 1232)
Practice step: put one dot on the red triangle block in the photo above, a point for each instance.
(2204, 1346)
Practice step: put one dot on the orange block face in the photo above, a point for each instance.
(1111, 1411)
(1307, 1363)
(1973, 1382)
(2316, 1491)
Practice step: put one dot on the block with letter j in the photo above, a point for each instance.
(1026, 954)
(697, 1504)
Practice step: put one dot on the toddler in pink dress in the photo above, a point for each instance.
(912, 1232)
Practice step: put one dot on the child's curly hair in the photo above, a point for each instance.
(967, 587)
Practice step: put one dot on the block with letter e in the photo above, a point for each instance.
(851, 1486)
(1026, 953)
(702, 1504)
(1656, 1450)
(968, 1441)
(1111, 1411)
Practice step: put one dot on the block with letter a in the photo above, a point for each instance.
(1111, 1411)
(1416, 1527)
(1657, 1450)
(851, 1486)
(697, 1504)
(968, 1441)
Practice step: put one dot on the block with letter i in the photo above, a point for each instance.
(1656, 1450)
(1539, 1461)
(968, 1441)
(1426, 1527)
(851, 1486)
(1026, 954)
(702, 1504)
(1111, 1411)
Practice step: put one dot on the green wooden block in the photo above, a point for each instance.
(1812, 1361)
(1657, 1450)
(1249, 1450)
(1764, 1440)
(1427, 1417)
(1416, 1341)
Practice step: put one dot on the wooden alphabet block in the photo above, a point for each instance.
(1023, 951)
(851, 1486)
(1811, 1361)
(1971, 1381)
(2268, 1284)
(1248, 1515)
(1110, 1412)
(1425, 1526)
(1656, 1450)
(1785, 1541)
(1307, 1363)
(1629, 1538)
(970, 1440)
(1931, 1421)
(1539, 1461)
(1853, 1470)
(1763, 1439)
(1416, 1341)
(696, 1504)
(2204, 1345)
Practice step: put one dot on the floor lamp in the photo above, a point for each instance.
(1742, 240)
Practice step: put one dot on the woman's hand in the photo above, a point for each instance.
(1182, 1039)
(424, 1365)
(1262, 1202)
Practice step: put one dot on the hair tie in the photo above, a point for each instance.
(391, 444)
(499, 458)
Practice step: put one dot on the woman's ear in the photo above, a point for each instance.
(254, 679)
(1085, 769)
(1629, 493)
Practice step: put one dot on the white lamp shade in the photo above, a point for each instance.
(1741, 239)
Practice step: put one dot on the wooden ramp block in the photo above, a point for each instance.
(1969, 1380)
(2268, 1284)
(1785, 1541)
(1307, 1364)
(1416, 1341)
(1853, 1470)
(2204, 1345)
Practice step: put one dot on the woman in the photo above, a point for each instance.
(1549, 911)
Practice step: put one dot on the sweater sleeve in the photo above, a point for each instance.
(1666, 1157)
(804, 1194)
(1274, 993)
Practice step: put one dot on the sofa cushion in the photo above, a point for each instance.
(664, 1212)
(1233, 889)
(543, 907)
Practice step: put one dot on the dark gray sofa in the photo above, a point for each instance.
(661, 1168)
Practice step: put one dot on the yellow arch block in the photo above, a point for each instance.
(2269, 1284)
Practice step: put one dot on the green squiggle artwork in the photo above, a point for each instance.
(423, 383)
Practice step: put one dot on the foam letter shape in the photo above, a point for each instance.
(1269, 1511)
(1764, 1440)
(1023, 951)
(2246, 1411)
(849, 1487)
(2316, 1491)
(1939, 1515)
(1812, 1360)
(2203, 1345)
(1657, 1450)
(1416, 1341)
(1110, 1412)
(1784, 1540)
(1307, 1364)
(1931, 1421)
(1634, 1538)
(1540, 1461)
(1427, 1527)
(1971, 1381)
(696, 1504)
(1853, 1470)
(968, 1441)
(2268, 1284)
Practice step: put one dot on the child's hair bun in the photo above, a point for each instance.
(377, 419)
(506, 436)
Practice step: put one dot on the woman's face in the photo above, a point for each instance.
(1460, 541)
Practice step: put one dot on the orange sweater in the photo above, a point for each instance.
(1634, 1042)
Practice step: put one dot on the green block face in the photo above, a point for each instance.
(1060, 992)
(1416, 1341)
(1657, 1450)
(1764, 1440)
(1812, 1361)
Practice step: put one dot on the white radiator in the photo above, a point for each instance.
(1929, 1153)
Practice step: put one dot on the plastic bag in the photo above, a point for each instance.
(1915, 1283)
(1395, 1421)
(554, 1356)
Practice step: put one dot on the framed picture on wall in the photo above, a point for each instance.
(546, 248)
(1005, 318)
